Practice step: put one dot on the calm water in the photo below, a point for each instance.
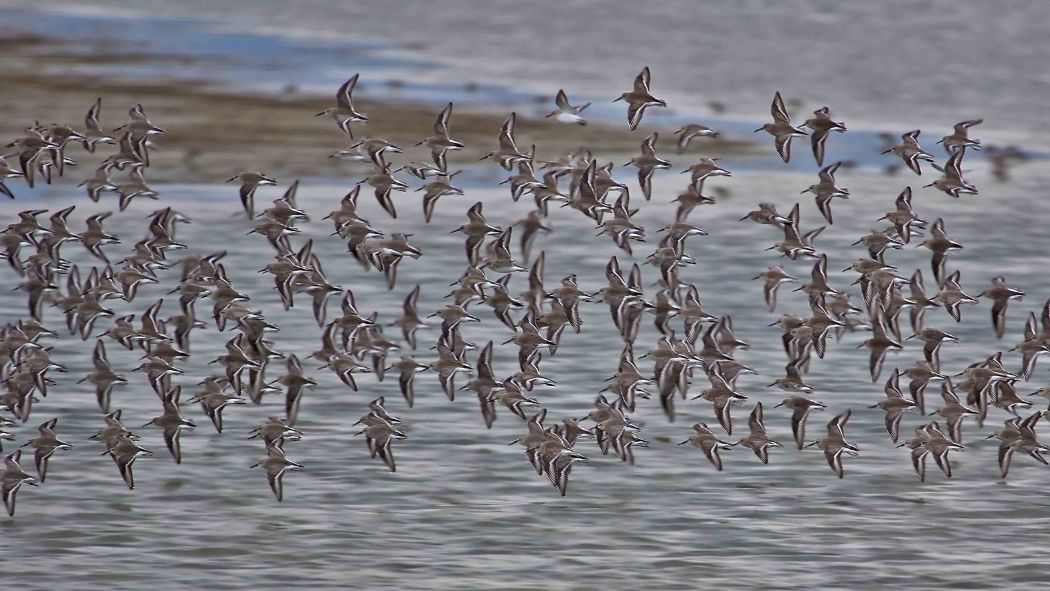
(465, 510)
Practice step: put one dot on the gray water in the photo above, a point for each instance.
(892, 64)
(465, 510)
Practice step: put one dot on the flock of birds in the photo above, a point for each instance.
(703, 349)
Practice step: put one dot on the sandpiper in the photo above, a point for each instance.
(172, 423)
(953, 411)
(834, 444)
(1001, 294)
(639, 98)
(960, 137)
(250, 181)
(276, 463)
(757, 440)
(567, 113)
(124, 451)
(508, 153)
(93, 132)
(344, 113)
(894, 405)
(781, 129)
(800, 407)
(822, 124)
(826, 190)
(12, 478)
(709, 443)
(45, 445)
(952, 183)
(688, 132)
(647, 163)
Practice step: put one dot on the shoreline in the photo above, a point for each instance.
(216, 131)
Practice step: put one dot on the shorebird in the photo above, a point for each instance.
(11, 480)
(95, 185)
(932, 339)
(938, 446)
(690, 131)
(276, 464)
(103, 377)
(834, 444)
(894, 405)
(639, 98)
(1019, 435)
(941, 245)
(706, 167)
(879, 343)
(921, 375)
(793, 381)
(758, 440)
(7, 172)
(951, 296)
(722, 394)
(93, 132)
(508, 154)
(383, 181)
(960, 137)
(952, 183)
(647, 163)
(800, 407)
(344, 113)
(910, 152)
(440, 142)
(124, 451)
(134, 187)
(250, 181)
(379, 437)
(953, 411)
(1001, 294)
(410, 321)
(781, 129)
(274, 432)
(214, 400)
(706, 441)
(375, 148)
(172, 423)
(441, 185)
(567, 113)
(822, 124)
(45, 445)
(826, 190)
(904, 217)
(766, 214)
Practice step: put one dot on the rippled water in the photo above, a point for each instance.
(465, 510)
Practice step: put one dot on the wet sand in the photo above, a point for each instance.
(214, 131)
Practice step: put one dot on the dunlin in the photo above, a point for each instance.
(834, 444)
(781, 129)
(687, 133)
(344, 113)
(639, 98)
(566, 112)
(822, 124)
(709, 443)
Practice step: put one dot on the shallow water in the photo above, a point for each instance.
(893, 65)
(465, 510)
